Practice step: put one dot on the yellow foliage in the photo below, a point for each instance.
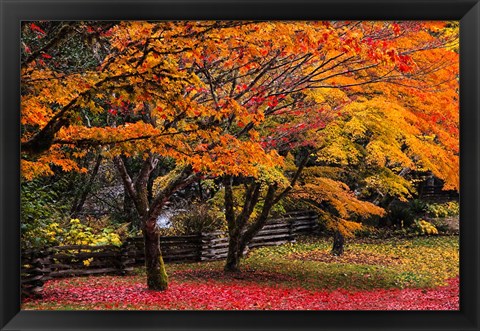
(380, 133)
(336, 204)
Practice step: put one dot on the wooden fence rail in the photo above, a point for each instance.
(39, 266)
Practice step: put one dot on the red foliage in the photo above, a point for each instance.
(232, 294)
(36, 28)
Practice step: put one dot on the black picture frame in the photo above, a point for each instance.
(13, 12)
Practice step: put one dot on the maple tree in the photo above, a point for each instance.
(226, 100)
(164, 115)
(388, 133)
(329, 95)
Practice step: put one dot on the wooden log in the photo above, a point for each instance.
(215, 240)
(181, 259)
(37, 260)
(27, 280)
(128, 253)
(180, 238)
(272, 237)
(272, 243)
(306, 222)
(127, 261)
(275, 226)
(219, 243)
(44, 261)
(273, 231)
(33, 284)
(59, 266)
(212, 234)
(215, 250)
(214, 258)
(33, 292)
(80, 272)
(190, 257)
(180, 251)
(302, 228)
(34, 271)
(178, 245)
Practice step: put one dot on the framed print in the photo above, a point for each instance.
(239, 165)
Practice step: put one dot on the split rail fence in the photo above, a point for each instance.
(39, 266)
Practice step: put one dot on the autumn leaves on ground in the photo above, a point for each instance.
(395, 275)
(180, 128)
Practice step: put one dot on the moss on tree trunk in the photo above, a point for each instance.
(157, 278)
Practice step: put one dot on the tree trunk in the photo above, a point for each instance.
(338, 243)
(233, 256)
(157, 278)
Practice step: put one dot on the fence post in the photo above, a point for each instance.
(291, 232)
(34, 273)
(205, 246)
(315, 227)
(199, 246)
(124, 258)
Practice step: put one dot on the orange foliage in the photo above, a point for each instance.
(193, 90)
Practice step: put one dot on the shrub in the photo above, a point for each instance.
(199, 217)
(367, 231)
(424, 228)
(76, 233)
(400, 216)
(441, 210)
(79, 234)
(418, 206)
(41, 212)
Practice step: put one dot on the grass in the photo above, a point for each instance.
(293, 270)
(415, 262)
(419, 262)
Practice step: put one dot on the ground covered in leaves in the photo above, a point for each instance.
(397, 274)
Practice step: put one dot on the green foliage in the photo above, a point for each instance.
(44, 210)
(441, 210)
(400, 216)
(77, 48)
(199, 217)
(41, 206)
(367, 231)
(417, 206)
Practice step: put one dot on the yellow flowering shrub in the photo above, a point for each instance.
(425, 228)
(76, 233)
(80, 234)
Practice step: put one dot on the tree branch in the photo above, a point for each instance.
(127, 181)
(295, 177)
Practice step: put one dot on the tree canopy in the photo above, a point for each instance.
(335, 113)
